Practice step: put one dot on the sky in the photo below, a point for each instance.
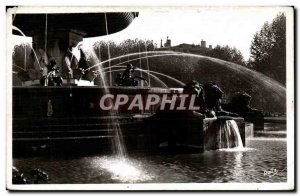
(232, 26)
(217, 26)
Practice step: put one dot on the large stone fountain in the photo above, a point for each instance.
(50, 117)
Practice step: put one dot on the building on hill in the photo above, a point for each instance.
(184, 47)
(167, 44)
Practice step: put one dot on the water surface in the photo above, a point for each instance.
(249, 165)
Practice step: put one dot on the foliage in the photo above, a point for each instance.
(226, 53)
(185, 69)
(21, 56)
(110, 49)
(126, 47)
(268, 49)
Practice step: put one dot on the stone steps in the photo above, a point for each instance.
(78, 134)
(47, 129)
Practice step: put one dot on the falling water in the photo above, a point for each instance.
(155, 72)
(131, 54)
(260, 78)
(119, 165)
(140, 60)
(46, 33)
(147, 63)
(257, 78)
(108, 50)
(135, 59)
(161, 83)
(25, 55)
(113, 125)
(167, 76)
(37, 60)
(229, 135)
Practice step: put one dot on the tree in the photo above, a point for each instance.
(126, 47)
(21, 56)
(227, 53)
(268, 49)
(105, 50)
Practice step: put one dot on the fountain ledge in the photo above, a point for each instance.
(78, 122)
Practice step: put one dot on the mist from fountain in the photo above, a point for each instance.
(248, 75)
(230, 139)
(118, 142)
(259, 78)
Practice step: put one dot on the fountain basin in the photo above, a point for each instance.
(77, 123)
(75, 101)
(192, 133)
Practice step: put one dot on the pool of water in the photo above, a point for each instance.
(248, 165)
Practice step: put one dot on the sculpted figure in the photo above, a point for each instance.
(169, 125)
(52, 78)
(126, 79)
(37, 176)
(213, 98)
(240, 102)
(69, 64)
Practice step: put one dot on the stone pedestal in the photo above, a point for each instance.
(57, 42)
(193, 133)
(77, 119)
(249, 130)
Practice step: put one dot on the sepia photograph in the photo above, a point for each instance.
(150, 98)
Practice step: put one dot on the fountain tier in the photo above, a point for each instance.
(56, 32)
(77, 123)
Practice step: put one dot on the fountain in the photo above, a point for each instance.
(55, 40)
(75, 113)
(113, 124)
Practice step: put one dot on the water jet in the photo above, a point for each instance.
(75, 113)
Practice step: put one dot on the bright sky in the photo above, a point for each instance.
(233, 26)
(217, 26)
